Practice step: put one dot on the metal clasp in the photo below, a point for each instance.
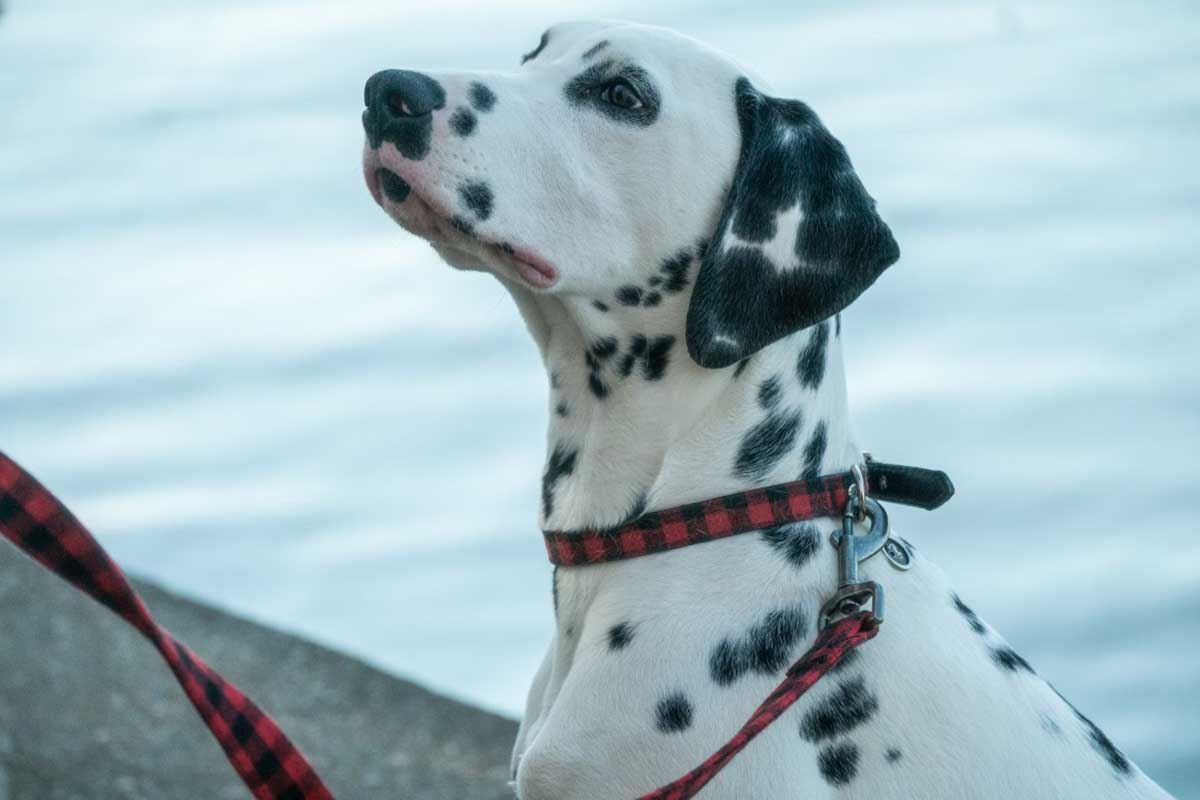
(858, 489)
(852, 594)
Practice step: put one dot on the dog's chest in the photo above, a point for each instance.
(659, 660)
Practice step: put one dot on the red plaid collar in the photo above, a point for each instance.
(672, 528)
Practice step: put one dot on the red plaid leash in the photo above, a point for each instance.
(704, 521)
(831, 645)
(39, 524)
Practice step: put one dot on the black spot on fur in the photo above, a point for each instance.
(892, 755)
(597, 385)
(561, 409)
(554, 589)
(652, 299)
(765, 444)
(626, 365)
(604, 347)
(675, 269)
(1050, 726)
(395, 187)
(765, 649)
(674, 713)
(1100, 742)
(600, 306)
(560, 465)
(463, 224)
(837, 325)
(535, 52)
(769, 392)
(658, 355)
(725, 664)
(594, 49)
(1104, 746)
(797, 542)
(629, 295)
(478, 197)
(970, 616)
(620, 635)
(843, 710)
(811, 364)
(1008, 659)
(463, 121)
(600, 351)
(814, 451)
(585, 90)
(507, 248)
(482, 98)
(838, 763)
(741, 366)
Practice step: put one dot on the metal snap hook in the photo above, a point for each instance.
(853, 594)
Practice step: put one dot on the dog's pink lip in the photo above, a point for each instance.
(534, 270)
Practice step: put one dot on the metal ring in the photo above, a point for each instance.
(860, 484)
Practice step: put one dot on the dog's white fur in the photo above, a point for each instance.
(603, 203)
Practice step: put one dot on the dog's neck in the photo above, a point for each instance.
(636, 425)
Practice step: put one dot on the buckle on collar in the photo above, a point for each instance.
(853, 595)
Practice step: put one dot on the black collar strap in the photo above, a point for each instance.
(721, 517)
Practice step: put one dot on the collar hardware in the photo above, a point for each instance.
(854, 595)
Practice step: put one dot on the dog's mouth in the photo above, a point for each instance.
(418, 215)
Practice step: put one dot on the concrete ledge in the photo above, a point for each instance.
(88, 710)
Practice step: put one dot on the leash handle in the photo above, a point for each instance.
(830, 647)
(33, 519)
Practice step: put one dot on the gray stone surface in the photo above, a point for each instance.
(88, 710)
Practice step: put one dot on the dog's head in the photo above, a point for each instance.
(613, 158)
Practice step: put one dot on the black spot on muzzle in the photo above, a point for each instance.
(399, 109)
(394, 187)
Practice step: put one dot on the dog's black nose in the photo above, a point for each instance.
(403, 93)
(400, 103)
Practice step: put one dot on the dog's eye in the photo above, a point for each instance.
(621, 94)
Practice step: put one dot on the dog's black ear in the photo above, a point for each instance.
(798, 239)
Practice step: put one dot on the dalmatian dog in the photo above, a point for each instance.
(680, 242)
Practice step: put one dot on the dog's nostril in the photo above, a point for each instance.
(399, 105)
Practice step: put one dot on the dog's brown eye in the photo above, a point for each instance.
(620, 94)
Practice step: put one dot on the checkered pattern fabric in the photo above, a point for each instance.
(35, 521)
(831, 645)
(705, 521)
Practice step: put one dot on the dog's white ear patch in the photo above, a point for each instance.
(780, 249)
(798, 240)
